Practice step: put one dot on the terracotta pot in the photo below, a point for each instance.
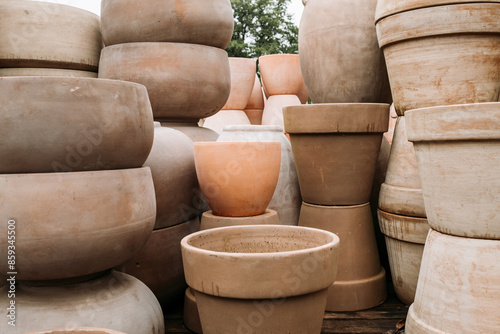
(224, 118)
(184, 81)
(209, 220)
(339, 55)
(273, 111)
(73, 124)
(116, 301)
(52, 72)
(225, 267)
(191, 316)
(42, 34)
(360, 282)
(255, 105)
(458, 154)
(80, 330)
(389, 135)
(402, 191)
(458, 291)
(195, 21)
(442, 55)
(336, 148)
(286, 199)
(238, 179)
(193, 131)
(405, 240)
(242, 82)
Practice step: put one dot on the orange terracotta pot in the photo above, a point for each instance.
(273, 111)
(255, 105)
(242, 82)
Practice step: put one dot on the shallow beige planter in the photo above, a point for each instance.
(72, 124)
(255, 105)
(273, 111)
(80, 330)
(193, 131)
(226, 272)
(209, 220)
(242, 82)
(75, 224)
(42, 34)
(184, 81)
(458, 291)
(225, 118)
(52, 72)
(458, 154)
(442, 55)
(207, 22)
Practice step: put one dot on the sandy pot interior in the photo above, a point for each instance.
(224, 118)
(273, 111)
(242, 82)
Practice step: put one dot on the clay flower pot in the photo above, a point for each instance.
(72, 124)
(209, 220)
(458, 154)
(273, 111)
(206, 22)
(224, 118)
(255, 105)
(45, 72)
(242, 82)
(336, 148)
(243, 279)
(184, 81)
(193, 131)
(442, 55)
(42, 34)
(339, 55)
(238, 179)
(80, 330)
(75, 224)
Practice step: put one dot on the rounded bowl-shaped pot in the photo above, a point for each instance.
(75, 224)
(238, 179)
(72, 124)
(184, 81)
(45, 72)
(242, 82)
(80, 330)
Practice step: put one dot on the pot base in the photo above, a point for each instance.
(209, 220)
(191, 315)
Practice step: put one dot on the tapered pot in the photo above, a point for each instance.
(242, 82)
(81, 330)
(458, 154)
(255, 105)
(336, 148)
(193, 131)
(46, 72)
(225, 118)
(226, 266)
(273, 111)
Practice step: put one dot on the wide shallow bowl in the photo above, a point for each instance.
(242, 82)
(80, 330)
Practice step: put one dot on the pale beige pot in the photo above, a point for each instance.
(80, 330)
(243, 280)
(209, 220)
(442, 55)
(242, 82)
(339, 55)
(43, 34)
(46, 72)
(184, 81)
(116, 301)
(193, 131)
(55, 124)
(255, 105)
(224, 118)
(458, 154)
(206, 22)
(273, 111)
(405, 240)
(458, 291)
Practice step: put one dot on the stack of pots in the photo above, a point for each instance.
(256, 103)
(442, 58)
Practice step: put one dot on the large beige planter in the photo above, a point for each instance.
(273, 111)
(75, 224)
(73, 124)
(255, 105)
(242, 82)
(225, 267)
(43, 34)
(46, 72)
(207, 22)
(442, 55)
(184, 81)
(458, 154)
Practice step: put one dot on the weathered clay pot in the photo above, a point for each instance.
(255, 105)
(286, 199)
(336, 148)
(80, 330)
(339, 55)
(242, 82)
(116, 301)
(193, 131)
(209, 220)
(191, 316)
(238, 179)
(52, 72)
(442, 55)
(389, 135)
(458, 154)
(360, 282)
(207, 22)
(42, 34)
(273, 111)
(224, 118)
(458, 288)
(75, 224)
(225, 267)
(184, 81)
(71, 124)
(405, 240)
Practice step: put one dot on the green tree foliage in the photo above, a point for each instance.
(262, 27)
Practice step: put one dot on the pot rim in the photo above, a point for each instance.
(416, 235)
(253, 128)
(164, 45)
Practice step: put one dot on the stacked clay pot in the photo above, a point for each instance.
(256, 103)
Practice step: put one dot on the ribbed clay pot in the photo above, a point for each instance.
(336, 148)
(442, 55)
(458, 288)
(286, 199)
(80, 330)
(184, 81)
(209, 220)
(116, 301)
(242, 82)
(238, 179)
(43, 34)
(273, 111)
(360, 282)
(72, 124)
(193, 131)
(45, 72)
(206, 22)
(243, 278)
(405, 240)
(458, 155)
(339, 55)
(75, 224)
(225, 118)
(255, 105)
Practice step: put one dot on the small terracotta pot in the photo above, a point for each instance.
(209, 220)
(238, 179)
(225, 267)
(242, 82)
(336, 148)
(273, 111)
(193, 131)
(255, 105)
(45, 72)
(458, 154)
(80, 330)
(224, 118)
